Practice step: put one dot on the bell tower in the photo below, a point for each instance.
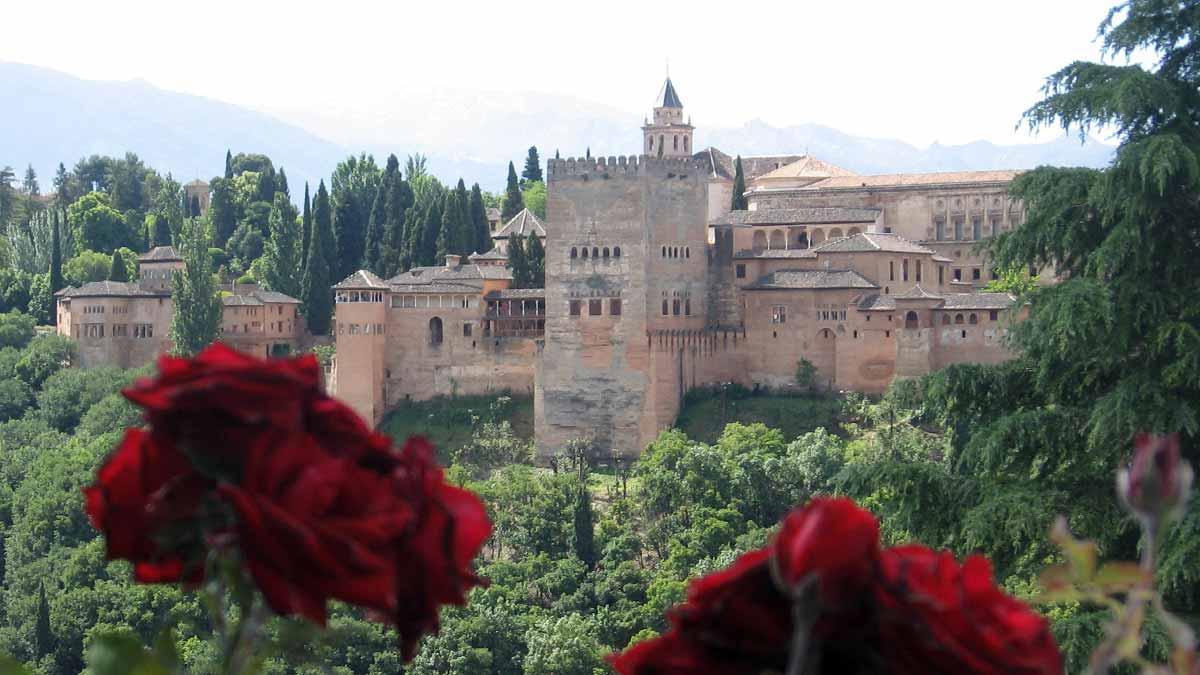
(668, 135)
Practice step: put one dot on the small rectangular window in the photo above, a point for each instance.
(595, 307)
(614, 307)
(467, 329)
(779, 314)
(575, 308)
(975, 274)
(741, 271)
(675, 306)
(957, 274)
(993, 315)
(666, 311)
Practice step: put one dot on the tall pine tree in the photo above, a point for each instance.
(56, 273)
(448, 235)
(197, 307)
(281, 183)
(533, 166)
(425, 237)
(535, 255)
(305, 225)
(518, 262)
(116, 269)
(43, 635)
(228, 165)
(465, 227)
(281, 254)
(739, 187)
(481, 231)
(222, 211)
(316, 292)
(373, 246)
(514, 203)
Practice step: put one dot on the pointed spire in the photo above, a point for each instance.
(670, 98)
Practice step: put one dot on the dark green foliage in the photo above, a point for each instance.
(425, 238)
(465, 231)
(482, 235)
(43, 637)
(16, 329)
(69, 393)
(45, 356)
(533, 166)
(197, 315)
(352, 192)
(513, 202)
(222, 211)
(282, 251)
(518, 262)
(15, 287)
(15, 397)
(162, 228)
(316, 296)
(56, 274)
(100, 227)
(584, 522)
(281, 184)
(535, 259)
(448, 232)
(41, 300)
(116, 270)
(387, 233)
(228, 165)
(739, 187)
(305, 225)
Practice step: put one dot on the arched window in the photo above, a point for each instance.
(687, 252)
(675, 142)
(585, 252)
(660, 144)
(649, 143)
(595, 252)
(835, 233)
(958, 318)
(605, 251)
(910, 321)
(616, 251)
(435, 331)
(685, 143)
(778, 240)
(973, 319)
(664, 251)
(574, 252)
(759, 241)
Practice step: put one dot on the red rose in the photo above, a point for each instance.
(834, 540)
(936, 616)
(1158, 481)
(314, 526)
(143, 487)
(434, 559)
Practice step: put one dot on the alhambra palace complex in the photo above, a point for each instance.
(653, 287)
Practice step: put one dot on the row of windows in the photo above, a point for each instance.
(677, 307)
(595, 307)
(779, 315)
(596, 252)
(958, 227)
(279, 326)
(434, 302)
(93, 309)
(676, 252)
(96, 330)
(157, 274)
(358, 296)
(662, 141)
(361, 329)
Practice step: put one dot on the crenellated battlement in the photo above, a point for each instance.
(616, 167)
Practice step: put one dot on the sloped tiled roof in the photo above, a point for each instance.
(914, 179)
(800, 216)
(493, 254)
(276, 297)
(160, 254)
(517, 294)
(110, 289)
(521, 225)
(493, 213)
(807, 168)
(463, 275)
(362, 279)
(447, 287)
(775, 254)
(918, 293)
(240, 301)
(811, 279)
(871, 241)
(258, 297)
(978, 301)
(721, 165)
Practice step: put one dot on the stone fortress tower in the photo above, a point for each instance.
(669, 135)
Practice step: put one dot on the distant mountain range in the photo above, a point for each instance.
(50, 117)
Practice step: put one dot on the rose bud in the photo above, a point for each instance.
(1158, 481)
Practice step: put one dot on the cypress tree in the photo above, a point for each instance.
(194, 207)
(305, 225)
(589, 152)
(377, 223)
(222, 211)
(162, 231)
(514, 203)
(228, 164)
(556, 155)
(197, 315)
(281, 183)
(518, 262)
(465, 230)
(533, 166)
(43, 636)
(116, 269)
(585, 534)
(535, 255)
(402, 218)
(316, 293)
(481, 233)
(425, 253)
(56, 276)
(447, 239)
(739, 187)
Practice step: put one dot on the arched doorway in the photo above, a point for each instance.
(801, 240)
(760, 241)
(778, 240)
(910, 321)
(435, 331)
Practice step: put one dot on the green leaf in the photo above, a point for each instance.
(123, 654)
(10, 666)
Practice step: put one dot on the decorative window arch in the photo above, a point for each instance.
(910, 320)
(973, 320)
(595, 252)
(605, 252)
(685, 144)
(687, 252)
(616, 251)
(675, 141)
(435, 331)
(650, 143)
(958, 319)
(574, 252)
(585, 252)
(945, 319)
(836, 233)
(664, 251)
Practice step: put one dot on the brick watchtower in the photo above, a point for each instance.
(669, 135)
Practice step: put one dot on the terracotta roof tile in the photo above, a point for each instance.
(871, 241)
(800, 216)
(811, 279)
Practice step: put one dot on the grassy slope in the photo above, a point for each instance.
(703, 420)
(447, 422)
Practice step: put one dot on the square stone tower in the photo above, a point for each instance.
(626, 259)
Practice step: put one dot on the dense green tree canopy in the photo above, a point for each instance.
(196, 318)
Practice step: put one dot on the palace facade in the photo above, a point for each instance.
(654, 286)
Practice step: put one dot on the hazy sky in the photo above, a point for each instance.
(951, 71)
